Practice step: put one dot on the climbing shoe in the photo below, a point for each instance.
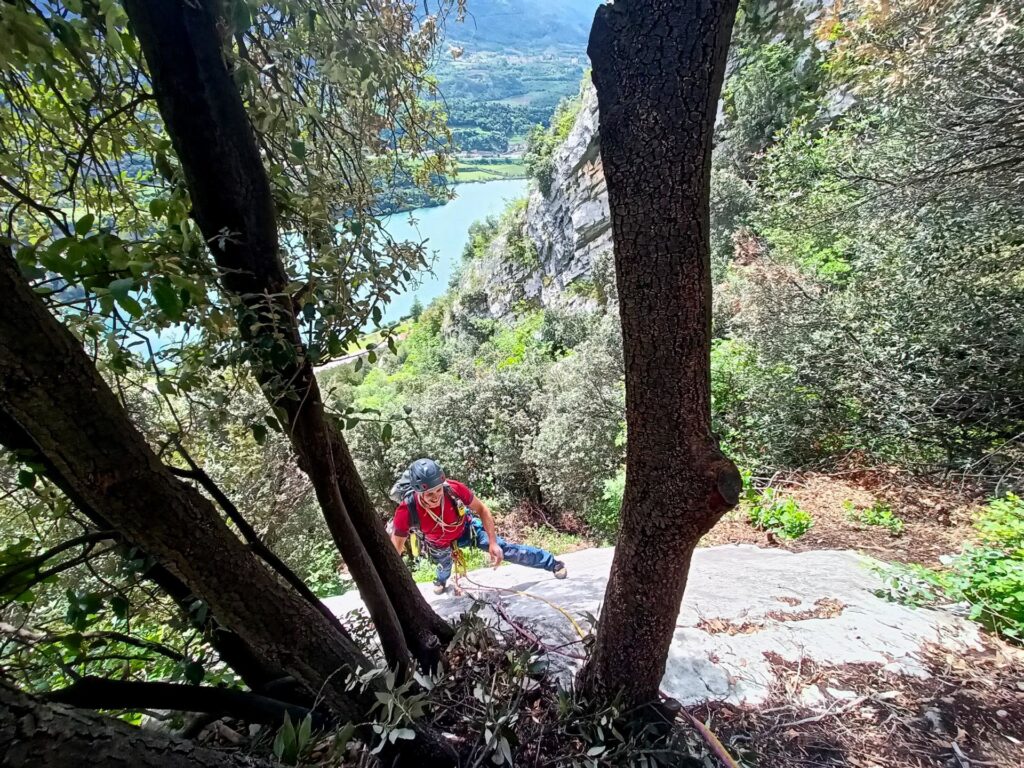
(439, 588)
(560, 571)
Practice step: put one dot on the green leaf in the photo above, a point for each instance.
(241, 17)
(299, 149)
(26, 478)
(385, 433)
(193, 672)
(167, 298)
(305, 730)
(278, 747)
(259, 433)
(288, 729)
(165, 387)
(84, 224)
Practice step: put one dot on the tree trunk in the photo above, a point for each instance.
(35, 733)
(53, 394)
(100, 693)
(658, 67)
(230, 192)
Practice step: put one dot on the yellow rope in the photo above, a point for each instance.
(461, 569)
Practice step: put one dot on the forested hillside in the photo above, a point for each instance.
(514, 61)
(869, 298)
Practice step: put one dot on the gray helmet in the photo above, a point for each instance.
(425, 474)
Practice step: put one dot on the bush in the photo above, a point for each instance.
(989, 574)
(779, 514)
(582, 406)
(604, 516)
(879, 514)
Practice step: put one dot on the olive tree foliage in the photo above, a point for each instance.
(578, 441)
(874, 305)
(96, 207)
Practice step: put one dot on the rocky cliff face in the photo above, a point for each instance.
(568, 232)
(571, 228)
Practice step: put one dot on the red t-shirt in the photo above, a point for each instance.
(437, 534)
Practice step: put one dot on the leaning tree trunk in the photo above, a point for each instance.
(53, 394)
(658, 67)
(35, 733)
(230, 192)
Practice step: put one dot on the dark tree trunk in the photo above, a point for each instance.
(41, 735)
(231, 194)
(52, 393)
(658, 67)
(100, 693)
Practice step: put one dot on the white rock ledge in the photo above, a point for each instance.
(742, 602)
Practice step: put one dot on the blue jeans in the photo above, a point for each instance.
(475, 535)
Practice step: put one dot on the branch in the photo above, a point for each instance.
(88, 538)
(252, 538)
(101, 693)
(28, 637)
(36, 206)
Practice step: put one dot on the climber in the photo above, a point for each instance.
(449, 515)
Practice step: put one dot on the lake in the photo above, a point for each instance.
(445, 228)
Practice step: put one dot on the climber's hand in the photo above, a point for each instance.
(496, 555)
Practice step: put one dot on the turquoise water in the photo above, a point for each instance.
(445, 228)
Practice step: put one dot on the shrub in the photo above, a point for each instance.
(879, 514)
(581, 408)
(780, 515)
(603, 517)
(988, 574)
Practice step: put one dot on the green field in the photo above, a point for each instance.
(490, 170)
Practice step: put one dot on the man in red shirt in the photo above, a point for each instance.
(448, 514)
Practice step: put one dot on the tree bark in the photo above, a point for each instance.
(232, 204)
(100, 693)
(658, 67)
(35, 733)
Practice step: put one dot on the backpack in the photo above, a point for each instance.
(403, 491)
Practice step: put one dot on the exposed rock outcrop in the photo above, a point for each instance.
(569, 230)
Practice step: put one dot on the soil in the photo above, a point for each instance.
(937, 520)
(969, 712)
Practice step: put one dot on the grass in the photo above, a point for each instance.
(470, 170)
(556, 542)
